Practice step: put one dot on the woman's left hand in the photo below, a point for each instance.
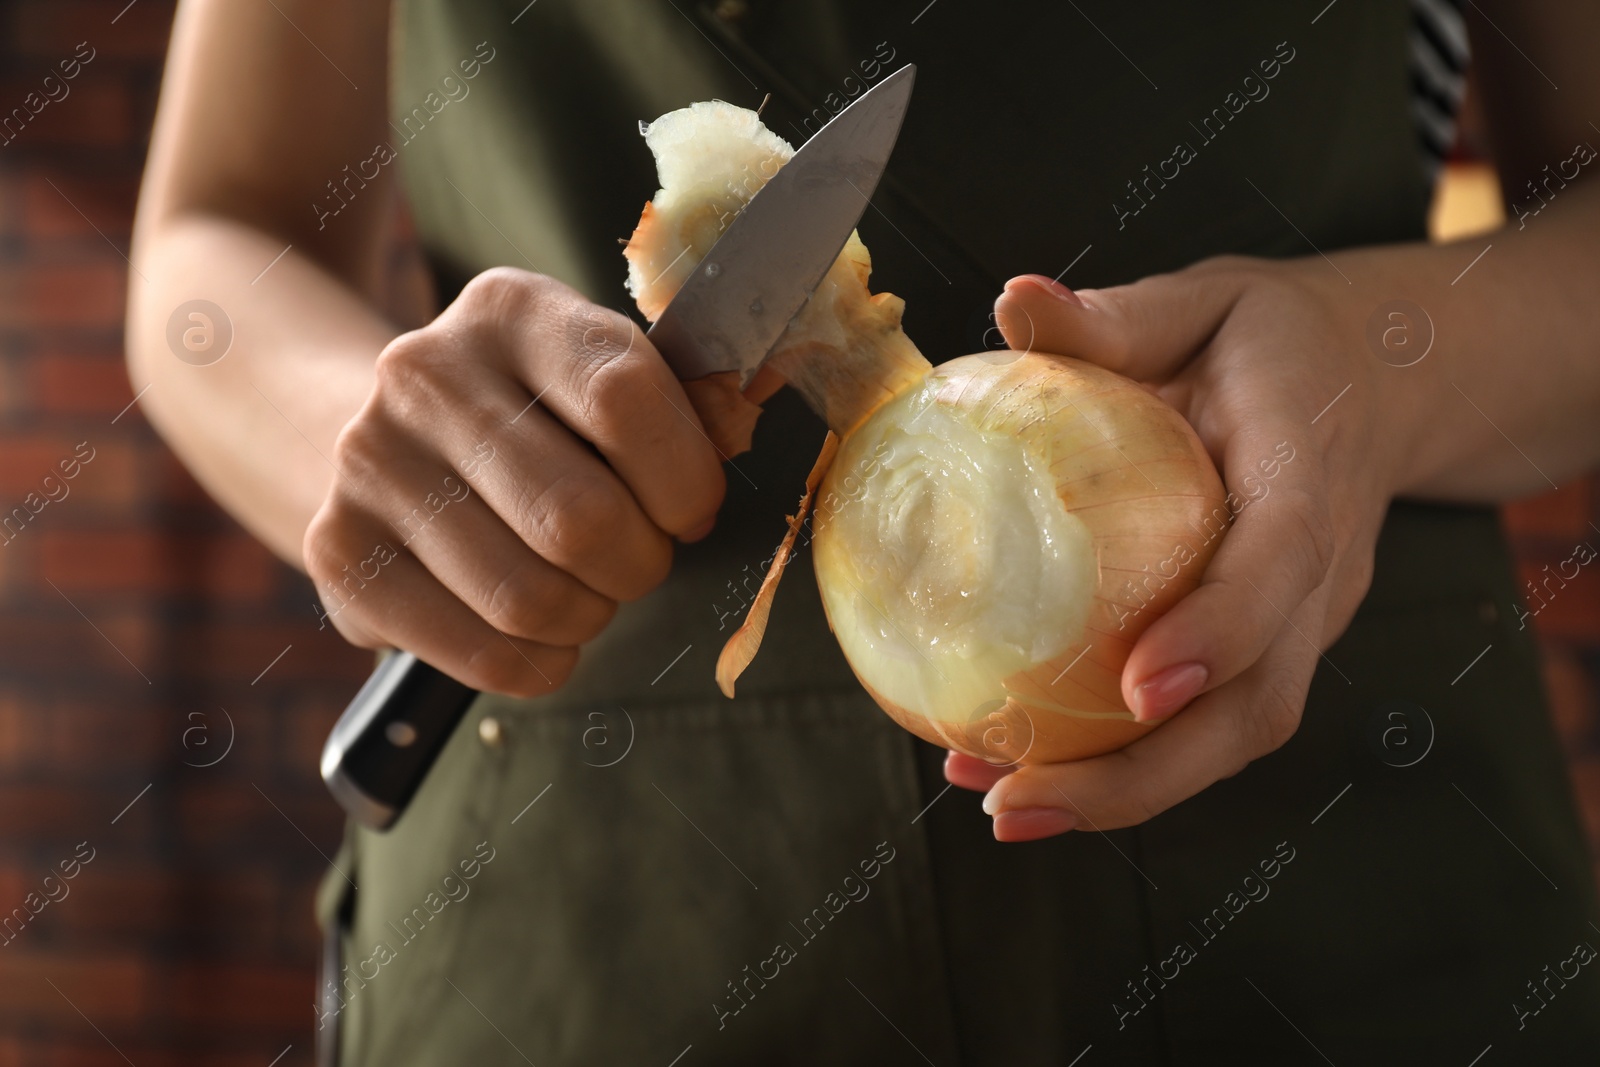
(1255, 354)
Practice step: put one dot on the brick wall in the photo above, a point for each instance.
(1544, 531)
(132, 611)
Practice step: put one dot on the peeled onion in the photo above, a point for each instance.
(991, 535)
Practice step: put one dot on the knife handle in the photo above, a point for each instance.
(387, 740)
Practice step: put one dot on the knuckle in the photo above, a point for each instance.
(653, 572)
(498, 304)
(502, 289)
(361, 452)
(544, 607)
(514, 606)
(577, 523)
(1271, 719)
(1360, 567)
(1143, 799)
(419, 374)
(587, 621)
(499, 667)
(329, 539)
(610, 380)
(704, 502)
(402, 359)
(1314, 534)
(1144, 805)
(1231, 263)
(577, 515)
(689, 501)
(582, 627)
(496, 669)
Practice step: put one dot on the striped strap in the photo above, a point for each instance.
(1438, 64)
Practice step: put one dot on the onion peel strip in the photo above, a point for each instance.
(740, 649)
(729, 416)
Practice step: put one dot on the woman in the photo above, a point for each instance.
(613, 864)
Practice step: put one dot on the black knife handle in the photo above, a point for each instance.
(387, 740)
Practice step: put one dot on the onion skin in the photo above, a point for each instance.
(1134, 471)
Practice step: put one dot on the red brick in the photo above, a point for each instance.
(110, 988)
(63, 646)
(75, 295)
(88, 738)
(237, 913)
(1572, 697)
(170, 480)
(261, 815)
(62, 205)
(305, 728)
(245, 649)
(229, 566)
(13, 180)
(69, 808)
(256, 1051)
(16, 393)
(219, 999)
(111, 907)
(97, 113)
(1586, 784)
(108, 478)
(16, 733)
(230, 914)
(49, 30)
(233, 732)
(1561, 516)
(29, 459)
(75, 384)
(1569, 614)
(15, 563)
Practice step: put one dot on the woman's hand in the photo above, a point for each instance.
(521, 465)
(1264, 359)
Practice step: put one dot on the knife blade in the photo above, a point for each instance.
(737, 303)
(726, 317)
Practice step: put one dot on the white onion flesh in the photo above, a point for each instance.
(711, 158)
(955, 564)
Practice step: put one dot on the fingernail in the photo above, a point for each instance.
(1049, 285)
(700, 533)
(1167, 691)
(1030, 824)
(992, 800)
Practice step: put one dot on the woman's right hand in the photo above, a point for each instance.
(521, 465)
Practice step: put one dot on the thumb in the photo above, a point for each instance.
(1146, 331)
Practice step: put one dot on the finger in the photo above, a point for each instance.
(1146, 330)
(1221, 733)
(564, 503)
(969, 772)
(378, 600)
(500, 578)
(602, 378)
(1277, 552)
(572, 509)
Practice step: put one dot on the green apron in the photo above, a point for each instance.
(636, 870)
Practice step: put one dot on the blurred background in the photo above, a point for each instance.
(164, 689)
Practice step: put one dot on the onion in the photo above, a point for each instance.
(991, 535)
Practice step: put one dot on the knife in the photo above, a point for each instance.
(727, 316)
